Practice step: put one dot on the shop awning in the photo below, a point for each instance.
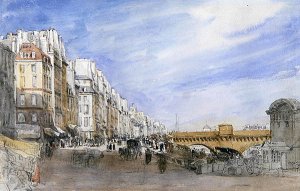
(73, 130)
(72, 126)
(60, 130)
(51, 132)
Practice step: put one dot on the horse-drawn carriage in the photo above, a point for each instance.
(86, 158)
(132, 151)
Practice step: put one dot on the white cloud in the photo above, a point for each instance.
(233, 16)
(284, 74)
(224, 18)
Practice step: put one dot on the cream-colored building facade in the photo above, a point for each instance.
(33, 91)
(51, 43)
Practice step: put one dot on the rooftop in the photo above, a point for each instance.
(29, 51)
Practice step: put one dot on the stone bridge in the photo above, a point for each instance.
(223, 138)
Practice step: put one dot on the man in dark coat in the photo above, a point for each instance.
(162, 163)
(148, 155)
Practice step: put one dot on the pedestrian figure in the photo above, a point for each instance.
(36, 178)
(62, 143)
(193, 153)
(148, 155)
(48, 150)
(161, 147)
(162, 163)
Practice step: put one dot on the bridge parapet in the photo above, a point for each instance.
(255, 133)
(238, 140)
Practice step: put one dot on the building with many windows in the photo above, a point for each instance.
(86, 112)
(113, 114)
(50, 43)
(85, 77)
(123, 126)
(72, 106)
(102, 108)
(33, 91)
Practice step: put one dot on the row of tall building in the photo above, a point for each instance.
(48, 95)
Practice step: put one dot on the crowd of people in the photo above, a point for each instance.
(151, 146)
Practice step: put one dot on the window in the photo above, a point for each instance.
(22, 69)
(49, 83)
(69, 103)
(33, 81)
(22, 82)
(34, 117)
(21, 118)
(86, 109)
(84, 98)
(265, 156)
(45, 101)
(287, 124)
(45, 118)
(86, 121)
(33, 99)
(79, 122)
(33, 68)
(22, 99)
(276, 156)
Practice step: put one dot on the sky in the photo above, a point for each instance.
(209, 62)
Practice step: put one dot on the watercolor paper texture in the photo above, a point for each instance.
(149, 95)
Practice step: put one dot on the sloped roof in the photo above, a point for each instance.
(28, 48)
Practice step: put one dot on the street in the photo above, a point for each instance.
(112, 173)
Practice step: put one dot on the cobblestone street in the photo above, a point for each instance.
(114, 174)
